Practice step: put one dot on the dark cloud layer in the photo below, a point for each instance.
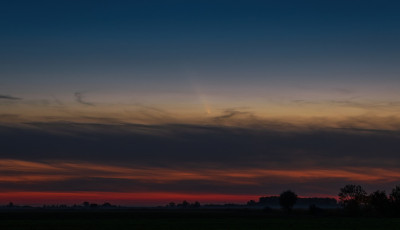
(194, 159)
(325, 186)
(204, 146)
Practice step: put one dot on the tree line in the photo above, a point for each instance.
(354, 200)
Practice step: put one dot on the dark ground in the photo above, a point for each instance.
(183, 219)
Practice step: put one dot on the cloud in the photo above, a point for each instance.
(360, 104)
(163, 175)
(229, 113)
(237, 117)
(78, 176)
(202, 145)
(184, 158)
(343, 90)
(79, 97)
(7, 97)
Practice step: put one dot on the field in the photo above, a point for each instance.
(153, 219)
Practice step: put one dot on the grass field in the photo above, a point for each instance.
(183, 220)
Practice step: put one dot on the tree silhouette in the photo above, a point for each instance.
(196, 204)
(287, 199)
(251, 203)
(171, 205)
(184, 204)
(394, 198)
(352, 197)
(107, 205)
(350, 193)
(378, 201)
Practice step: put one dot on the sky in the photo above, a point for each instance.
(147, 102)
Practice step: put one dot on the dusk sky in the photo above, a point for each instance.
(147, 102)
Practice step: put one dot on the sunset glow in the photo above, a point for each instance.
(144, 103)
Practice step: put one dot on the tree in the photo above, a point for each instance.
(184, 204)
(352, 197)
(395, 195)
(378, 201)
(352, 193)
(196, 204)
(171, 205)
(107, 205)
(394, 198)
(287, 199)
(251, 203)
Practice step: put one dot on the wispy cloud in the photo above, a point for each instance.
(351, 103)
(80, 98)
(232, 113)
(10, 168)
(7, 97)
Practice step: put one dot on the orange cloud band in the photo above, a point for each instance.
(25, 171)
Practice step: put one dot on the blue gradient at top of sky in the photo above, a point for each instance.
(62, 47)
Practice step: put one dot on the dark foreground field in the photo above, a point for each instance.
(176, 219)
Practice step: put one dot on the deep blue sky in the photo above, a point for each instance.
(86, 43)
